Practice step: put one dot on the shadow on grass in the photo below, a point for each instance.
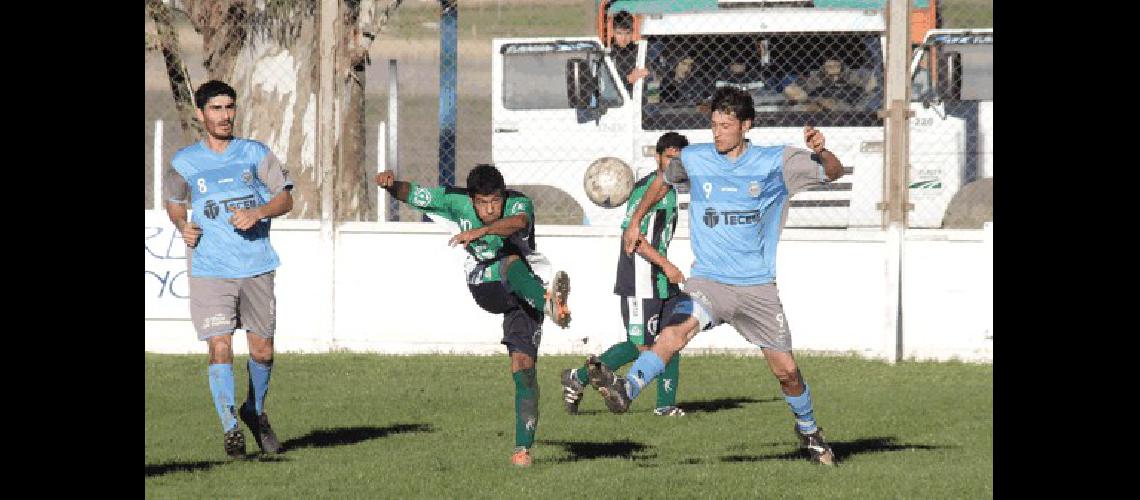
(325, 438)
(320, 438)
(587, 450)
(842, 450)
(715, 405)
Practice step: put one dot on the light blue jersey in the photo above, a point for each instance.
(246, 175)
(737, 208)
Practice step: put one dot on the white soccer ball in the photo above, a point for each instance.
(608, 182)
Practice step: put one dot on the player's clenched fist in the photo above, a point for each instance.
(190, 234)
(813, 138)
(385, 179)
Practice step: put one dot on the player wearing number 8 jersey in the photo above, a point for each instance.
(233, 187)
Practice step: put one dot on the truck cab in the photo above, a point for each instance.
(558, 103)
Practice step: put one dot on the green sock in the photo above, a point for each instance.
(526, 285)
(526, 406)
(617, 356)
(667, 382)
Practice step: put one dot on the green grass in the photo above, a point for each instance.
(364, 425)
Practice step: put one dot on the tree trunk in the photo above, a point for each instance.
(268, 51)
(180, 85)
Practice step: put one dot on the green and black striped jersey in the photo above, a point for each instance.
(454, 204)
(636, 277)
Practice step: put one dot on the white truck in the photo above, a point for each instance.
(558, 104)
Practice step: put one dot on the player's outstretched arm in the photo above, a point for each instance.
(502, 227)
(398, 189)
(647, 252)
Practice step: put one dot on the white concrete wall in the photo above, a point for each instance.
(400, 289)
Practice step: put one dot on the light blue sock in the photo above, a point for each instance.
(801, 407)
(222, 388)
(647, 367)
(258, 383)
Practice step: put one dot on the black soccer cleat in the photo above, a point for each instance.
(234, 442)
(572, 391)
(815, 445)
(262, 432)
(611, 386)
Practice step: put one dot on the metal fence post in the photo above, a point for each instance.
(326, 100)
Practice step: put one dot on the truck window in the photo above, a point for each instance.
(827, 79)
(534, 76)
(977, 71)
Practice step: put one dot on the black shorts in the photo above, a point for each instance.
(522, 324)
(642, 317)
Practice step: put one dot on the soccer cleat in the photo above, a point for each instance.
(234, 442)
(814, 443)
(669, 411)
(572, 391)
(556, 308)
(611, 386)
(522, 458)
(262, 433)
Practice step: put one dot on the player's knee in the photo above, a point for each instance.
(521, 361)
(220, 349)
(789, 378)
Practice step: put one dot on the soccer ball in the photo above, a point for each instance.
(608, 182)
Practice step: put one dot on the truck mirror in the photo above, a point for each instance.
(950, 76)
(581, 86)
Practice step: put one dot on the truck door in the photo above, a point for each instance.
(538, 137)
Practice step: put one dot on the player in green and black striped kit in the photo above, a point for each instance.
(497, 231)
(646, 283)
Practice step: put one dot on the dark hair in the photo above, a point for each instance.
(485, 179)
(671, 140)
(734, 101)
(211, 89)
(623, 20)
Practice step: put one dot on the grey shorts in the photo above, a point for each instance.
(755, 311)
(220, 305)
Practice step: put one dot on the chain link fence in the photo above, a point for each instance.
(818, 63)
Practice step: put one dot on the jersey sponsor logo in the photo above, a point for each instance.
(518, 207)
(730, 217)
(422, 197)
(239, 203)
(754, 189)
(211, 209)
(711, 218)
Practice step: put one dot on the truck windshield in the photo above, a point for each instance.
(826, 79)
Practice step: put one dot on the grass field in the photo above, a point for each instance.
(363, 425)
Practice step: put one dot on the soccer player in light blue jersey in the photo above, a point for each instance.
(231, 188)
(738, 206)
